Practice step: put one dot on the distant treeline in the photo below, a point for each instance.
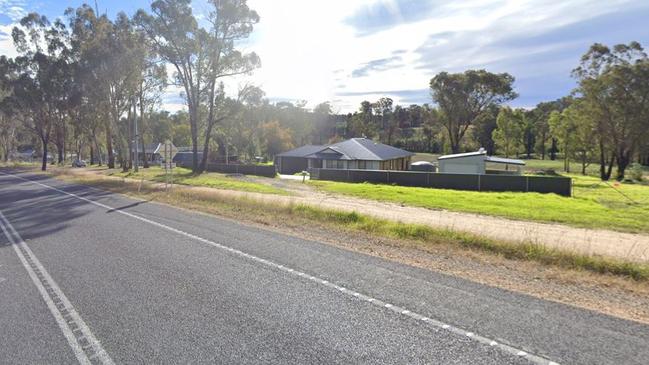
(81, 84)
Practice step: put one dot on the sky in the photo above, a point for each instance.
(347, 51)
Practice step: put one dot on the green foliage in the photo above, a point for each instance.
(508, 135)
(614, 83)
(463, 97)
(636, 172)
(275, 139)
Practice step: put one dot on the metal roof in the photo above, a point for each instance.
(482, 152)
(301, 151)
(508, 161)
(460, 155)
(365, 149)
(351, 149)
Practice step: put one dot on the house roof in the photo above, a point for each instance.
(362, 149)
(508, 161)
(460, 155)
(149, 148)
(482, 152)
(302, 151)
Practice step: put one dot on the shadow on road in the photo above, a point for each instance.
(36, 211)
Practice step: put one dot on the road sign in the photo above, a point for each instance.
(168, 151)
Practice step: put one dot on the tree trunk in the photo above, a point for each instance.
(44, 162)
(553, 150)
(206, 147)
(92, 155)
(602, 160)
(623, 159)
(109, 146)
(59, 150)
(145, 163)
(131, 120)
(94, 137)
(455, 144)
(193, 121)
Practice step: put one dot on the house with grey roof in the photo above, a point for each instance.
(355, 153)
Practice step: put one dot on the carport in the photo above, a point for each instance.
(479, 163)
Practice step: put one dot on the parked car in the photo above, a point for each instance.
(79, 163)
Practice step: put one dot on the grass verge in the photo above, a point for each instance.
(217, 202)
(595, 204)
(185, 176)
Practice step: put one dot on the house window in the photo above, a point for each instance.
(362, 165)
(340, 164)
(330, 164)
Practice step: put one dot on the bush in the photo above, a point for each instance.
(635, 172)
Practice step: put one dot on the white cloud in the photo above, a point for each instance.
(303, 43)
(6, 42)
(13, 9)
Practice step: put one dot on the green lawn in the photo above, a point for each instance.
(211, 179)
(594, 205)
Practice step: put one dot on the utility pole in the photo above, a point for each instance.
(137, 151)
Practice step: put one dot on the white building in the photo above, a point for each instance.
(479, 163)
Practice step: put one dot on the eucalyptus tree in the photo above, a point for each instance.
(614, 83)
(231, 21)
(43, 90)
(8, 121)
(151, 84)
(463, 97)
(383, 110)
(178, 40)
(91, 39)
(510, 127)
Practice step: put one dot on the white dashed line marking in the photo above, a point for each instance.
(480, 339)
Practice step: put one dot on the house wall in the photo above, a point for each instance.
(354, 164)
(290, 165)
(398, 164)
(463, 165)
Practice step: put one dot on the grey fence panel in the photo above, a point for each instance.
(454, 181)
(541, 184)
(503, 183)
(408, 178)
(544, 184)
(334, 174)
(375, 176)
(217, 167)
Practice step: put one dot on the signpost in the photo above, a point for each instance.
(168, 151)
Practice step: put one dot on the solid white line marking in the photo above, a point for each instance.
(26, 256)
(480, 339)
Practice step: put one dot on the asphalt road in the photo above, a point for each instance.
(92, 277)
